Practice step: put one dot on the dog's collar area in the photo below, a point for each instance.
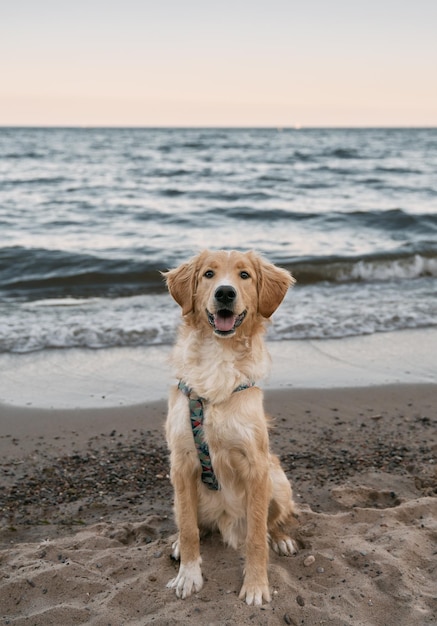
(224, 321)
(196, 405)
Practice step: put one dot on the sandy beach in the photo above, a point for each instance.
(86, 503)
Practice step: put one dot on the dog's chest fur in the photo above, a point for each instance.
(213, 367)
(234, 423)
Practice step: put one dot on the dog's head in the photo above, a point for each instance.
(226, 290)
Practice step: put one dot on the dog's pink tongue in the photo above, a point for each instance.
(224, 323)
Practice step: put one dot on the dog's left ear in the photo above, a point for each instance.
(181, 285)
(273, 284)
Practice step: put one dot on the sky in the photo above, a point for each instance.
(280, 63)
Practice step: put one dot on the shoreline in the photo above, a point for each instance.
(69, 430)
(119, 377)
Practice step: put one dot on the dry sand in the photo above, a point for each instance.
(86, 516)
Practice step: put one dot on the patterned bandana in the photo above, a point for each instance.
(196, 416)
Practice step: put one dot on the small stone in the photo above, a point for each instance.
(300, 601)
(309, 560)
(320, 570)
(157, 554)
(287, 619)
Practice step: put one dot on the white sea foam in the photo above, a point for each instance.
(308, 312)
(412, 266)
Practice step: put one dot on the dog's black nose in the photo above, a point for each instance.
(225, 294)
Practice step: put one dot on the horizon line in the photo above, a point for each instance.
(277, 127)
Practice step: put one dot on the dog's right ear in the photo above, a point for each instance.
(273, 283)
(181, 283)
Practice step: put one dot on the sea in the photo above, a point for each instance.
(89, 217)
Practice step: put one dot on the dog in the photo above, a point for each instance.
(223, 474)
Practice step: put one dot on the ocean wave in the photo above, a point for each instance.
(169, 173)
(378, 183)
(23, 155)
(390, 220)
(248, 213)
(88, 323)
(43, 180)
(272, 178)
(397, 170)
(298, 155)
(171, 193)
(39, 273)
(194, 145)
(143, 320)
(343, 153)
(371, 268)
(226, 196)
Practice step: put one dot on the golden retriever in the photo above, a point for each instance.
(225, 477)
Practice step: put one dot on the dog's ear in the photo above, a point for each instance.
(273, 283)
(181, 285)
(182, 282)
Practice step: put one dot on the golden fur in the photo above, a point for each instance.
(226, 299)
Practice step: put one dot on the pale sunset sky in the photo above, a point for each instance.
(230, 63)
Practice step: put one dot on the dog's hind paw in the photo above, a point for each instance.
(283, 546)
(176, 551)
(189, 579)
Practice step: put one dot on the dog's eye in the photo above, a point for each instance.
(209, 274)
(244, 275)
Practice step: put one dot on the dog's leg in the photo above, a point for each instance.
(281, 510)
(255, 587)
(189, 578)
(184, 472)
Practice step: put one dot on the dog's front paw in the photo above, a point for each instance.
(189, 579)
(255, 593)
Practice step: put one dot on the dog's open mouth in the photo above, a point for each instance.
(225, 321)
